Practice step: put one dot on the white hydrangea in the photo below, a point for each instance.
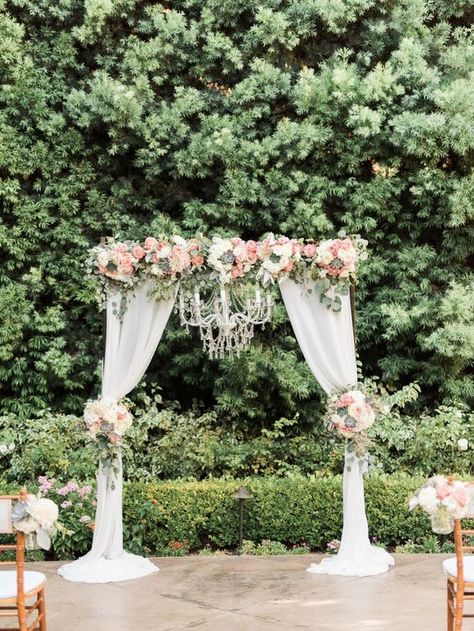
(43, 511)
(427, 499)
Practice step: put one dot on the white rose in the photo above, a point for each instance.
(122, 425)
(44, 511)
(110, 416)
(240, 250)
(463, 444)
(164, 251)
(358, 396)
(413, 503)
(274, 268)
(179, 241)
(103, 259)
(285, 250)
(4, 449)
(427, 499)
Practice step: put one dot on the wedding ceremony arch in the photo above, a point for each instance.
(224, 288)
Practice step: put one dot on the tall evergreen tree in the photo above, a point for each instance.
(130, 117)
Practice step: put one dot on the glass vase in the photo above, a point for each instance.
(441, 522)
(30, 541)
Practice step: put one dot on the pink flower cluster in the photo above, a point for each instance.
(337, 257)
(171, 257)
(107, 418)
(117, 261)
(45, 484)
(231, 257)
(70, 487)
(245, 256)
(351, 413)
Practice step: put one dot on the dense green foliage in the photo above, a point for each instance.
(172, 518)
(168, 445)
(127, 117)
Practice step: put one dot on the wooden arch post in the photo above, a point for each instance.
(353, 309)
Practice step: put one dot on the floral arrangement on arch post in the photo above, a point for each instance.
(106, 423)
(444, 499)
(350, 413)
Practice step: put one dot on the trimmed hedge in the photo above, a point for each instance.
(289, 510)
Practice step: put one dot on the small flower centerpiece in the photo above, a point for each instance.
(444, 500)
(37, 517)
(350, 413)
(107, 421)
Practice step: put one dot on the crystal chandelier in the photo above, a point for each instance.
(226, 316)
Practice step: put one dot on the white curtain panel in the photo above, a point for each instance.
(130, 345)
(327, 343)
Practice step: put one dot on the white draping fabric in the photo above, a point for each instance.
(130, 345)
(327, 343)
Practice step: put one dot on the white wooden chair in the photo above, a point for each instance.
(19, 587)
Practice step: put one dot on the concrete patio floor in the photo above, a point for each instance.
(253, 594)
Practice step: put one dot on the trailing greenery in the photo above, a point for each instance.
(167, 444)
(129, 117)
(296, 513)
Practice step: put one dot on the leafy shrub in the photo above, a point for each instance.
(284, 510)
(169, 444)
(294, 116)
(294, 514)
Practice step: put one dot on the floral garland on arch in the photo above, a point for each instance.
(332, 264)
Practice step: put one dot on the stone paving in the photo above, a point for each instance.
(253, 594)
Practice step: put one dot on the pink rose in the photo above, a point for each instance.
(297, 247)
(461, 495)
(344, 401)
(332, 271)
(150, 243)
(289, 266)
(251, 246)
(235, 240)
(197, 261)
(309, 250)
(252, 257)
(443, 490)
(121, 248)
(346, 244)
(125, 259)
(138, 252)
(237, 272)
(180, 257)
